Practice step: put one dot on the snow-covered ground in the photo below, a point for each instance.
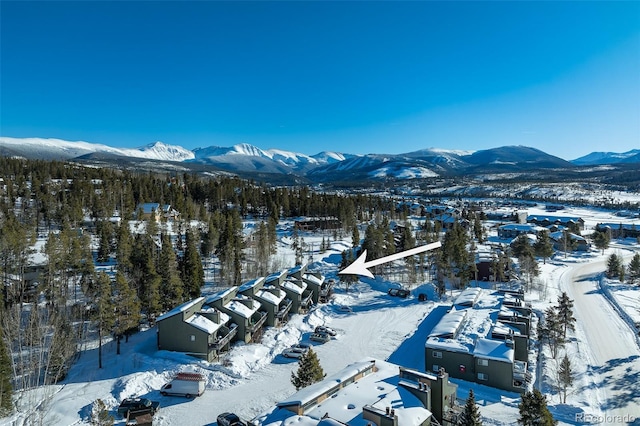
(603, 350)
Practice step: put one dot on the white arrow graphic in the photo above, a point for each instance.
(360, 267)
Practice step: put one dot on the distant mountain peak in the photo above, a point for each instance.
(596, 158)
(326, 166)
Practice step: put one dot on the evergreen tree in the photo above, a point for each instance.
(309, 371)
(172, 289)
(565, 377)
(634, 269)
(543, 247)
(355, 236)
(478, 229)
(104, 230)
(565, 313)
(568, 242)
(127, 309)
(533, 410)
(551, 331)
(601, 240)
(470, 415)
(100, 414)
(192, 272)
(521, 248)
(151, 298)
(347, 259)
(613, 266)
(6, 388)
(104, 310)
(124, 248)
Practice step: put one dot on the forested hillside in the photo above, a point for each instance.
(80, 260)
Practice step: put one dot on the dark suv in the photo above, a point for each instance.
(229, 419)
(138, 406)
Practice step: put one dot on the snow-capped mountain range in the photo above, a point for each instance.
(322, 167)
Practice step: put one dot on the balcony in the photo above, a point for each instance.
(285, 307)
(520, 375)
(221, 342)
(257, 321)
(306, 299)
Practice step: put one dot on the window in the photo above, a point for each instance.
(483, 362)
(437, 354)
(193, 337)
(436, 368)
(482, 376)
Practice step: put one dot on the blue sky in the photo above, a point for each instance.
(357, 77)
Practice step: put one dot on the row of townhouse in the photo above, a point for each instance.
(483, 338)
(620, 230)
(207, 326)
(531, 230)
(370, 392)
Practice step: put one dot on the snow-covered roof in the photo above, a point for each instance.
(275, 276)
(522, 227)
(313, 278)
(272, 295)
(250, 284)
(468, 296)
(202, 323)
(241, 309)
(295, 269)
(497, 350)
(224, 318)
(560, 219)
(220, 295)
(559, 235)
(298, 287)
(506, 329)
(378, 390)
(181, 308)
(452, 345)
(449, 324)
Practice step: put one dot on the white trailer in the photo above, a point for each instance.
(184, 384)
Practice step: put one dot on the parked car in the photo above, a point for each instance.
(302, 345)
(398, 292)
(184, 384)
(138, 406)
(320, 337)
(229, 419)
(327, 330)
(294, 352)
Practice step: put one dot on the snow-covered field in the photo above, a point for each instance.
(603, 350)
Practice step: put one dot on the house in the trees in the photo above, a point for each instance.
(299, 294)
(244, 311)
(156, 212)
(318, 224)
(620, 230)
(562, 244)
(320, 287)
(370, 392)
(483, 338)
(273, 300)
(513, 230)
(196, 329)
(298, 290)
(566, 221)
(484, 261)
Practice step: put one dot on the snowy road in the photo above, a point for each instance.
(615, 356)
